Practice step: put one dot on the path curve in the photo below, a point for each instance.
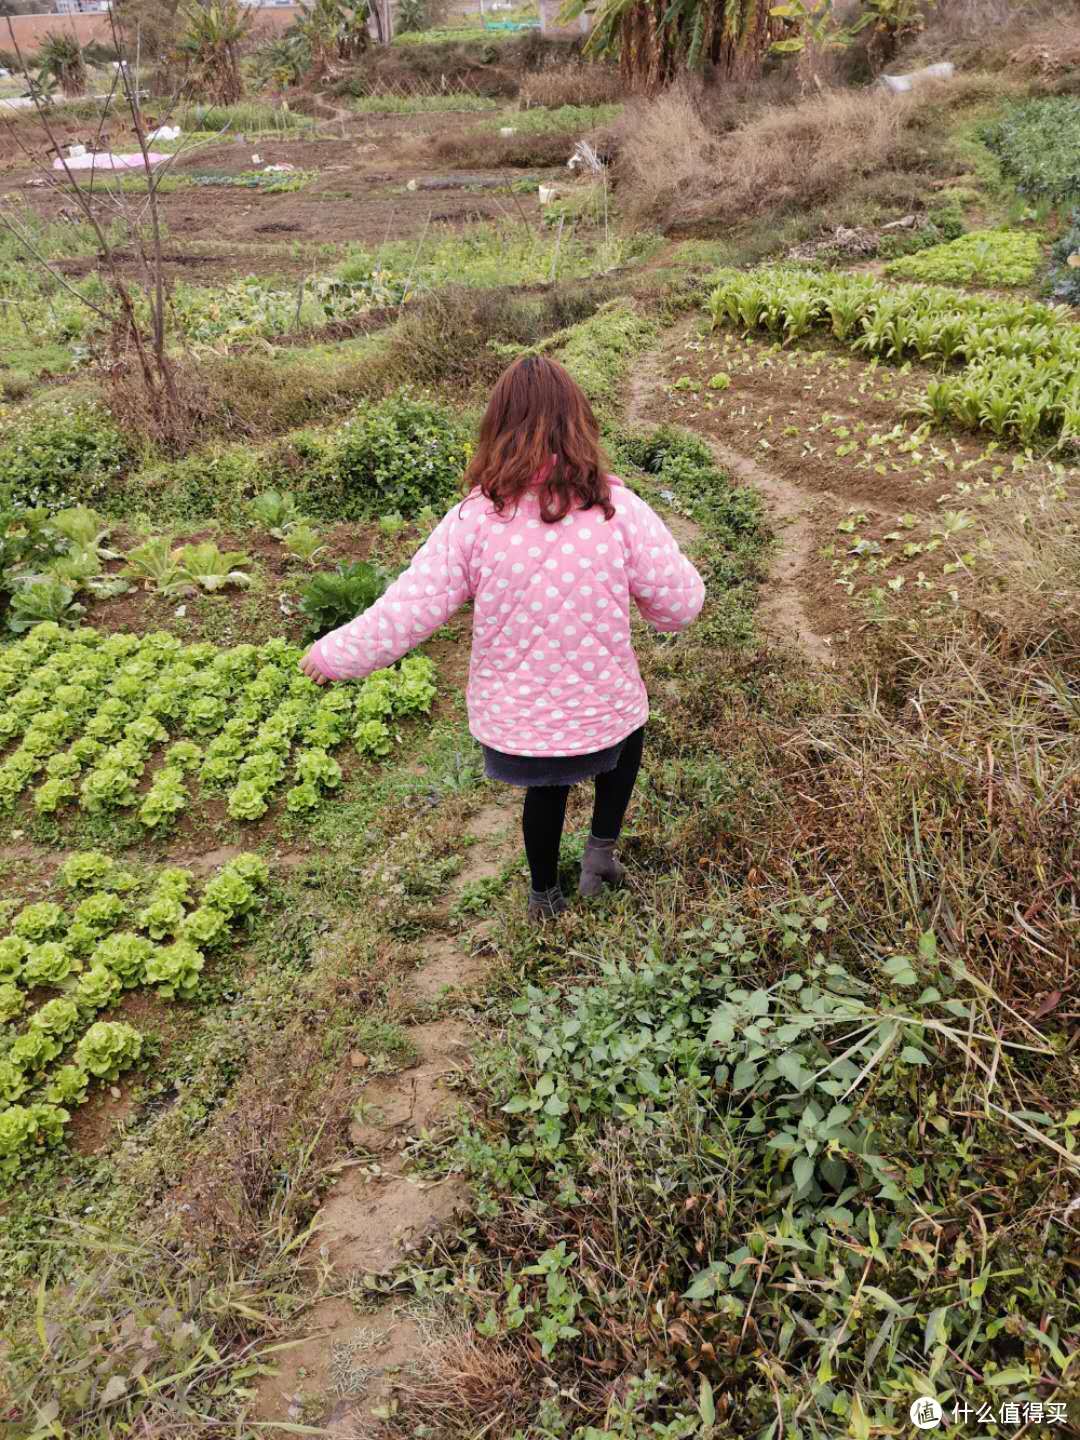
(782, 606)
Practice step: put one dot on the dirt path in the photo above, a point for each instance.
(784, 604)
(343, 1365)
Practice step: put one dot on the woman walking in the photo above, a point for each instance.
(551, 548)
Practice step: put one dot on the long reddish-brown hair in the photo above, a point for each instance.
(539, 433)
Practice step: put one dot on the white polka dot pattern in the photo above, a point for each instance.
(553, 669)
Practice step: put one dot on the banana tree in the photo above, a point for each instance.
(656, 40)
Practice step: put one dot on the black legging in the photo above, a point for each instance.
(545, 811)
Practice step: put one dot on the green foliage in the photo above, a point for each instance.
(95, 740)
(36, 600)
(1038, 144)
(1019, 364)
(174, 970)
(55, 454)
(108, 1047)
(26, 1129)
(577, 118)
(276, 511)
(985, 257)
(188, 568)
(334, 597)
(599, 351)
(1065, 264)
(209, 49)
(401, 454)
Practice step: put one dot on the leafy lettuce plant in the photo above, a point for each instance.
(108, 1047)
(13, 951)
(86, 870)
(68, 1086)
(125, 955)
(12, 1002)
(162, 917)
(209, 568)
(33, 1050)
(334, 597)
(372, 737)
(230, 893)
(13, 1083)
(204, 926)
(97, 987)
(165, 799)
(175, 969)
(102, 912)
(47, 964)
(57, 1018)
(46, 598)
(38, 921)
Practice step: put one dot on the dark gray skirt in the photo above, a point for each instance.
(550, 769)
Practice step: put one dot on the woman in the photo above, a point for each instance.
(551, 548)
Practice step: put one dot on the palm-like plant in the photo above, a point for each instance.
(61, 61)
(656, 39)
(333, 30)
(209, 49)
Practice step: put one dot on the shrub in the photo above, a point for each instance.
(61, 454)
(1065, 269)
(1038, 143)
(335, 597)
(402, 454)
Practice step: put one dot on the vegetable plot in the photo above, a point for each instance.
(87, 713)
(89, 952)
(983, 257)
(1020, 375)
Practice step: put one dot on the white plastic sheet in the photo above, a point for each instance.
(900, 84)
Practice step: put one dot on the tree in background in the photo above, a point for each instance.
(209, 49)
(61, 62)
(656, 40)
(328, 31)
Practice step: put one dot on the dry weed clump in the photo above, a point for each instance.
(1040, 37)
(571, 85)
(672, 166)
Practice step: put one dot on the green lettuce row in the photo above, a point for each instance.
(119, 961)
(1019, 361)
(89, 711)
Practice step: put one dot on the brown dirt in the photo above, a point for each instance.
(856, 494)
(379, 1210)
(357, 196)
(782, 608)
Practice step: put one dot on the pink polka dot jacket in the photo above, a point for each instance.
(553, 669)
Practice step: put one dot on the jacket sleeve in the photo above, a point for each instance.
(413, 607)
(666, 587)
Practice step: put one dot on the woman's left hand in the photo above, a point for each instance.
(311, 670)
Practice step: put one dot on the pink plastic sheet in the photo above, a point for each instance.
(108, 161)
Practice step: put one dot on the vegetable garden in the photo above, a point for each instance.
(303, 1128)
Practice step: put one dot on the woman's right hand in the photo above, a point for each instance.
(311, 669)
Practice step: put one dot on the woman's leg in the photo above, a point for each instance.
(613, 790)
(542, 825)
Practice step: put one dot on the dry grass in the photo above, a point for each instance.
(673, 167)
(1040, 36)
(460, 1380)
(571, 85)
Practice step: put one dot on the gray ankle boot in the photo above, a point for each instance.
(546, 904)
(599, 866)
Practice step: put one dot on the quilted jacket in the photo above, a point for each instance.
(553, 670)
